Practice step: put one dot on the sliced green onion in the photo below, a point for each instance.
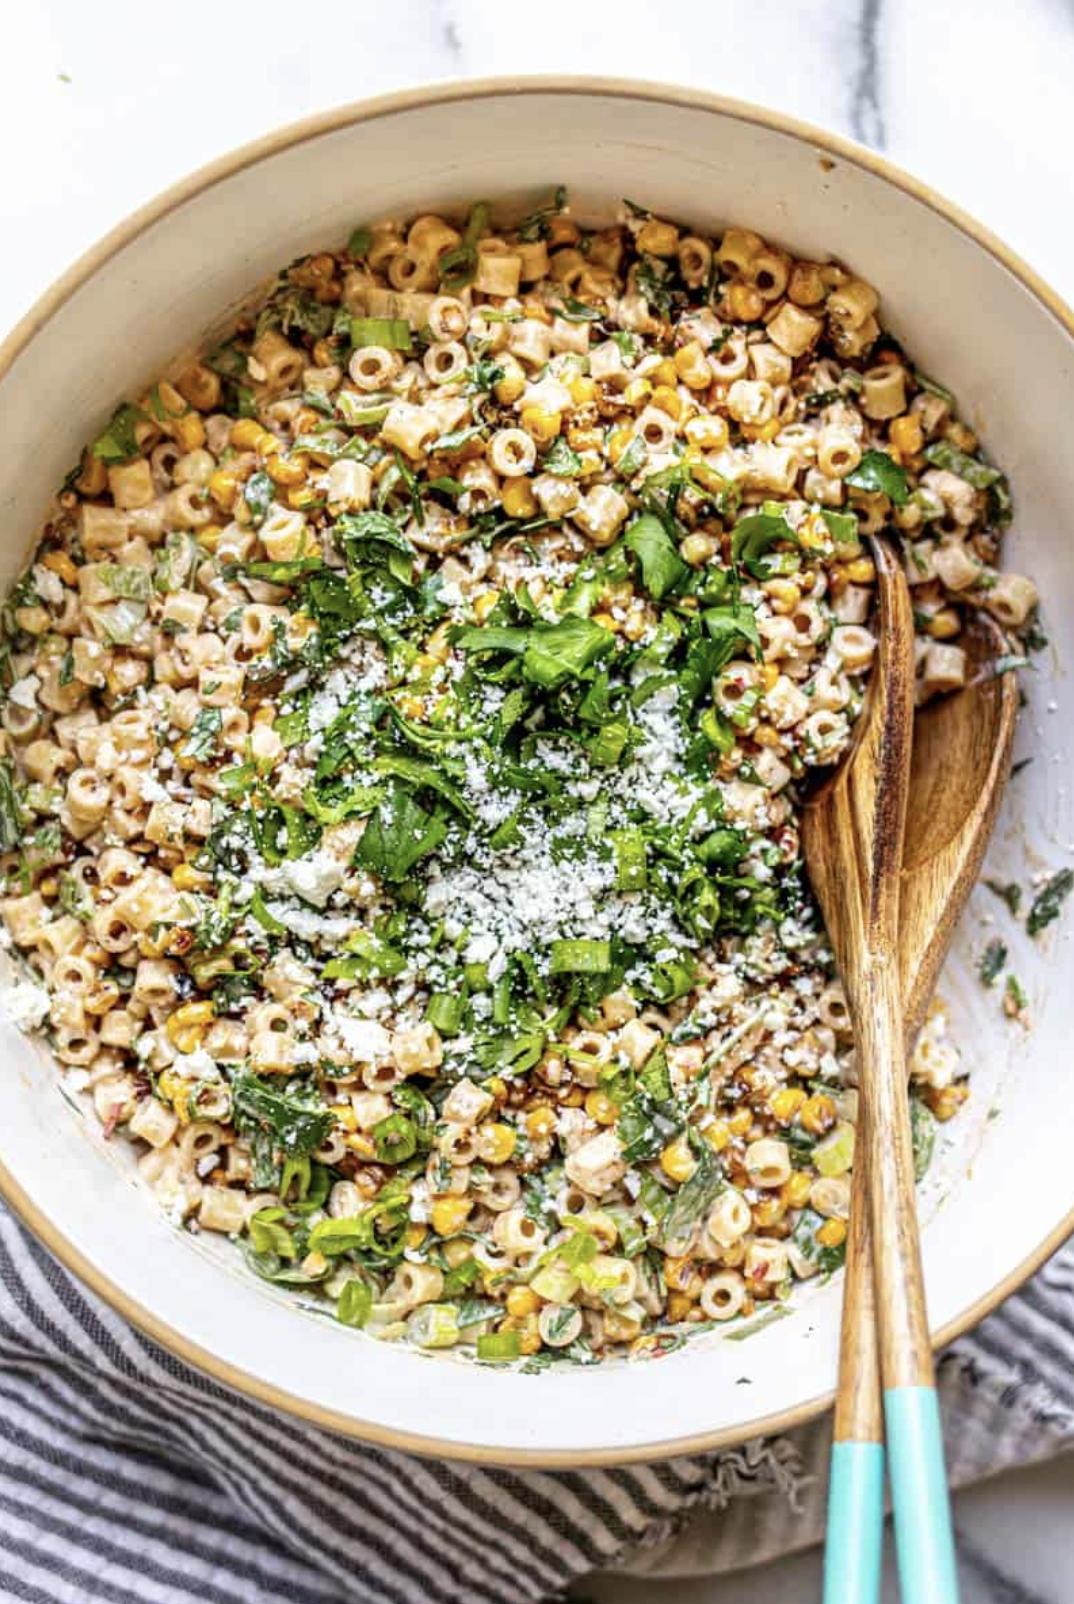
(393, 333)
(357, 410)
(395, 1139)
(499, 1345)
(355, 1303)
(630, 867)
(580, 957)
(445, 1011)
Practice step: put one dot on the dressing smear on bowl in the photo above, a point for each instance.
(405, 712)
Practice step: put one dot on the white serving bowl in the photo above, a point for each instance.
(970, 313)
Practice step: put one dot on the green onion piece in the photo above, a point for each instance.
(355, 1303)
(395, 1139)
(630, 869)
(717, 731)
(360, 241)
(500, 1345)
(393, 333)
(445, 1011)
(267, 921)
(580, 957)
(357, 410)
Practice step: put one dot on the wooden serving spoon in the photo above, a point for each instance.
(960, 766)
(852, 836)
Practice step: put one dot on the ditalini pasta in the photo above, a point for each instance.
(406, 710)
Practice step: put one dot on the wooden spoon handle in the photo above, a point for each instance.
(923, 1537)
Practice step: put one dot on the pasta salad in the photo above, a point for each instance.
(406, 710)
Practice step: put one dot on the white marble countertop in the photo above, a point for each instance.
(100, 109)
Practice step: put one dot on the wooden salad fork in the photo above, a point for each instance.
(852, 836)
(960, 765)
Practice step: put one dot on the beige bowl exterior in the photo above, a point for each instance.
(972, 314)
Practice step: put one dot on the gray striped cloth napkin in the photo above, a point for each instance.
(128, 1478)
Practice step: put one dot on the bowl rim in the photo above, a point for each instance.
(203, 178)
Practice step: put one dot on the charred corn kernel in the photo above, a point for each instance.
(58, 562)
(510, 387)
(945, 1101)
(448, 1213)
(679, 1306)
(175, 1089)
(287, 471)
(784, 595)
(522, 1301)
(692, 366)
(666, 374)
(518, 499)
(416, 1234)
(697, 549)
(944, 624)
(599, 1106)
(186, 878)
(677, 1161)
(769, 676)
(583, 390)
(94, 476)
(190, 432)
(572, 1099)
(412, 706)
(761, 431)
(223, 487)
(362, 1145)
(299, 497)
(862, 571)
(540, 1123)
(608, 621)
(832, 1234)
(346, 1117)
(769, 1211)
(960, 436)
(766, 735)
(740, 1122)
(906, 434)
(746, 303)
(496, 1143)
(246, 434)
(707, 432)
(541, 423)
(484, 604)
(786, 1102)
(658, 238)
(795, 1190)
(717, 1135)
(191, 1013)
(496, 1087)
(618, 441)
(208, 536)
(813, 533)
(668, 400)
(817, 1113)
(678, 1273)
(637, 392)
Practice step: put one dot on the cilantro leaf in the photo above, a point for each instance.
(398, 835)
(119, 443)
(1048, 901)
(662, 569)
(877, 472)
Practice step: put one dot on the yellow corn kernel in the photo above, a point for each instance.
(832, 1234)
(607, 621)
(186, 878)
(299, 497)
(448, 1213)
(510, 387)
(708, 478)
(58, 562)
(707, 432)
(795, 1190)
(583, 390)
(945, 1101)
(438, 647)
(496, 1143)
(416, 1234)
(190, 1015)
(484, 604)
(540, 1123)
(412, 706)
(677, 1161)
(960, 436)
(692, 367)
(346, 1117)
(814, 534)
(541, 423)
(175, 1089)
(190, 432)
(747, 304)
(529, 1335)
(717, 1135)
(246, 434)
(679, 1306)
(945, 624)
(518, 499)
(363, 1146)
(637, 392)
(697, 549)
(574, 1098)
(817, 1113)
(599, 1106)
(668, 400)
(905, 434)
(769, 1211)
(665, 374)
(522, 1301)
(786, 1102)
(762, 431)
(223, 487)
(740, 1122)
(496, 1087)
(618, 441)
(208, 536)
(287, 470)
(678, 1273)
(769, 676)
(862, 571)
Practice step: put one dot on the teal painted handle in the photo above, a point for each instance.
(924, 1542)
(855, 1524)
